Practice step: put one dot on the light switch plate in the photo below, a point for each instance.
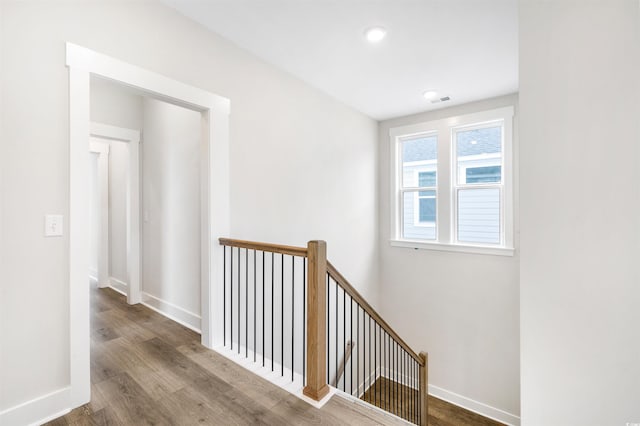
(53, 225)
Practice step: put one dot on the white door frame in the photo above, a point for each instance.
(214, 183)
(102, 272)
(131, 137)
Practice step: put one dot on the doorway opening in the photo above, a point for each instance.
(115, 209)
(213, 190)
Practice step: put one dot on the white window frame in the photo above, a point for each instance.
(446, 182)
(416, 197)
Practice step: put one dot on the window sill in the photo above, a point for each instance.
(494, 251)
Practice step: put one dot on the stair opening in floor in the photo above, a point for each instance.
(289, 315)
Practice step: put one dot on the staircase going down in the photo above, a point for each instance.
(290, 316)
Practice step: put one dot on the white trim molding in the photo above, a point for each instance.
(119, 286)
(181, 316)
(38, 410)
(84, 63)
(475, 406)
(459, 248)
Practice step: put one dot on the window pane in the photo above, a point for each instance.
(479, 215)
(419, 215)
(483, 174)
(427, 179)
(479, 153)
(419, 156)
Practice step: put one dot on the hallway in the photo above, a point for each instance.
(148, 370)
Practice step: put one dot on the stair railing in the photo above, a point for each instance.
(275, 294)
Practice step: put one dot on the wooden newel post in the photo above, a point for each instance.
(316, 387)
(424, 394)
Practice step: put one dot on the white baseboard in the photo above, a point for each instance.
(475, 406)
(117, 285)
(39, 410)
(171, 311)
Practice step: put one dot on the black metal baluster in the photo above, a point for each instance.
(337, 378)
(282, 315)
(246, 303)
(396, 354)
(369, 375)
(351, 340)
(388, 362)
(403, 381)
(364, 356)
(304, 321)
(383, 367)
(255, 328)
(392, 400)
(344, 340)
(416, 393)
(231, 298)
(413, 400)
(272, 298)
(375, 361)
(392, 368)
(263, 297)
(224, 295)
(418, 401)
(358, 350)
(400, 385)
(401, 403)
(409, 387)
(293, 310)
(239, 299)
(373, 356)
(328, 328)
(395, 374)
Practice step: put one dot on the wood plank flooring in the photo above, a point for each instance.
(149, 370)
(401, 400)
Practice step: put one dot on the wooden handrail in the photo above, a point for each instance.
(342, 281)
(274, 248)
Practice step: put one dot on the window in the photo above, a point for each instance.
(427, 199)
(452, 183)
(418, 186)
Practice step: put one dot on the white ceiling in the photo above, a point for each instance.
(465, 49)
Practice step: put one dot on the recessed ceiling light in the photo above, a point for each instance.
(375, 34)
(430, 94)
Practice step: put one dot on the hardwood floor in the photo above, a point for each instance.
(149, 370)
(401, 400)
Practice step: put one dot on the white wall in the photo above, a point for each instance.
(303, 165)
(580, 222)
(171, 204)
(461, 308)
(118, 106)
(115, 104)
